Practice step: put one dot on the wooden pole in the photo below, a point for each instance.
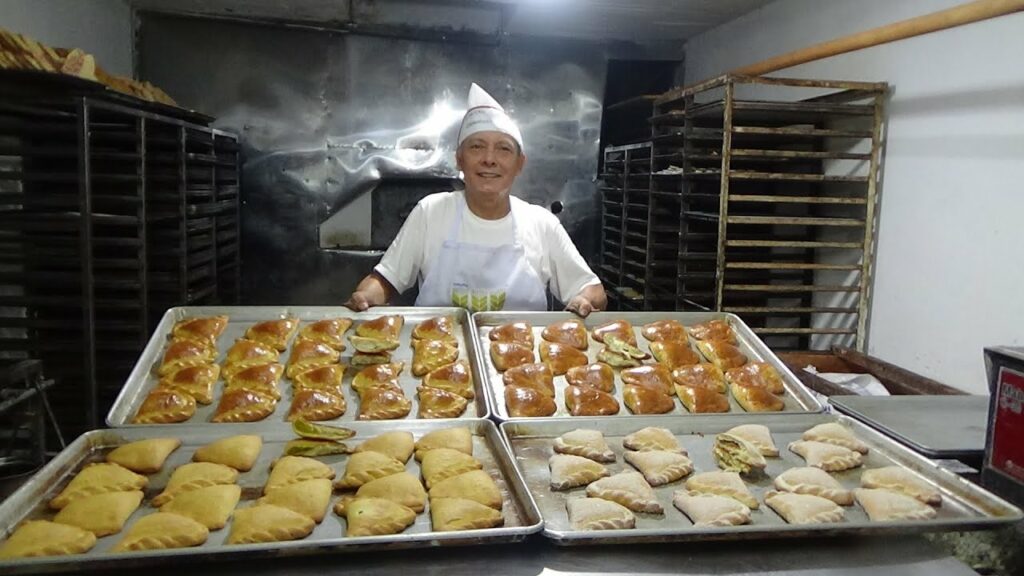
(956, 16)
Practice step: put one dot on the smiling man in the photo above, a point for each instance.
(483, 249)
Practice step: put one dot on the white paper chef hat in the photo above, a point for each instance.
(486, 115)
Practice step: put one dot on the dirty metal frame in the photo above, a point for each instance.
(630, 161)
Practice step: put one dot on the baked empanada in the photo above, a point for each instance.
(568, 471)
(196, 381)
(734, 454)
(397, 444)
(523, 402)
(441, 463)
(206, 328)
(615, 359)
(706, 509)
(702, 400)
(674, 353)
(520, 332)
(835, 433)
(713, 330)
(815, 481)
(652, 438)
(34, 538)
(619, 345)
(456, 378)
(505, 355)
(885, 505)
(369, 345)
(758, 435)
(377, 374)
(185, 352)
(102, 514)
(597, 375)
(620, 328)
(161, 531)
(561, 357)
(586, 443)
(376, 517)
(437, 403)
(383, 402)
(598, 514)
(457, 438)
(450, 514)
(629, 489)
(828, 457)
(899, 479)
(537, 376)
(307, 354)
(261, 377)
(727, 484)
(569, 332)
(641, 400)
(383, 328)
(324, 378)
(659, 466)
(722, 354)
(98, 479)
(755, 399)
(656, 377)
(243, 405)
(429, 355)
(291, 469)
(402, 488)
(803, 508)
(368, 359)
(165, 406)
(365, 466)
(239, 452)
(309, 498)
(436, 328)
(703, 375)
(211, 506)
(275, 333)
(662, 330)
(316, 405)
(245, 353)
(192, 476)
(330, 331)
(476, 485)
(268, 523)
(580, 401)
(758, 375)
(144, 456)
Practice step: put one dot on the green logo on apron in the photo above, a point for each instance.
(478, 300)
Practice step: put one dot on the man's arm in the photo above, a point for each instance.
(591, 298)
(374, 290)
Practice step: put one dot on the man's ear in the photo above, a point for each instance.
(458, 159)
(522, 162)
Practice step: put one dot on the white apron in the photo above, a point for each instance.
(482, 278)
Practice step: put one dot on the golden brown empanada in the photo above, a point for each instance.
(450, 514)
(615, 343)
(586, 443)
(369, 345)
(803, 508)
(291, 469)
(536, 375)
(615, 359)
(476, 485)
(653, 438)
(275, 333)
(659, 466)
(734, 454)
(523, 402)
(641, 400)
(598, 514)
(713, 330)
(437, 328)
(757, 435)
(884, 505)
(828, 457)
(34, 538)
(245, 353)
(383, 402)
(239, 452)
(701, 400)
(397, 444)
(756, 399)
(211, 506)
(316, 405)
(674, 353)
(561, 357)
(206, 328)
(597, 375)
(402, 488)
(629, 489)
(192, 476)
(724, 484)
(330, 331)
(268, 523)
(309, 498)
(568, 471)
(662, 330)
(706, 509)
(307, 354)
(376, 517)
(383, 328)
(569, 332)
(368, 359)
(377, 374)
(815, 481)
(703, 375)
(621, 328)
(164, 406)
(456, 378)
(185, 352)
(437, 403)
(98, 479)
(656, 377)
(835, 433)
(101, 514)
(505, 355)
(520, 332)
(757, 375)
(899, 479)
(161, 531)
(144, 456)
(441, 463)
(428, 355)
(196, 381)
(580, 401)
(261, 377)
(324, 378)
(244, 405)
(457, 438)
(722, 354)
(365, 466)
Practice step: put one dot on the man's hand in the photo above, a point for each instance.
(580, 306)
(358, 302)
(590, 299)
(374, 290)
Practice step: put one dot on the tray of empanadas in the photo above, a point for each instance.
(658, 479)
(557, 365)
(130, 496)
(221, 364)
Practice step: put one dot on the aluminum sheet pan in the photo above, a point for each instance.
(965, 505)
(143, 377)
(29, 502)
(797, 398)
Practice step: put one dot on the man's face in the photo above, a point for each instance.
(490, 162)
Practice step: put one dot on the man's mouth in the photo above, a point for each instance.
(491, 175)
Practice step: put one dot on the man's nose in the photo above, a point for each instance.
(489, 156)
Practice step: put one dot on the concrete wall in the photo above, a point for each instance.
(101, 27)
(950, 263)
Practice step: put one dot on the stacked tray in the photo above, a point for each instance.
(797, 399)
(143, 377)
(30, 501)
(964, 505)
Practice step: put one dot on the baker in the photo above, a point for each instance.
(483, 249)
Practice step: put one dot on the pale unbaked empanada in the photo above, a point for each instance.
(758, 435)
(210, 506)
(885, 505)
(706, 509)
(192, 476)
(102, 514)
(814, 481)
(734, 454)
(268, 523)
(309, 498)
(727, 484)
(803, 508)
(586, 443)
(161, 531)
(629, 489)
(398, 444)
(365, 466)
(836, 433)
(449, 514)
(376, 516)
(568, 471)
(598, 514)
(899, 479)
(99, 479)
(144, 456)
(652, 438)
(402, 488)
(476, 485)
(459, 438)
(660, 466)
(828, 457)
(291, 469)
(45, 538)
(444, 463)
(239, 452)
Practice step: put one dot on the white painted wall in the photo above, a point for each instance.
(949, 278)
(102, 28)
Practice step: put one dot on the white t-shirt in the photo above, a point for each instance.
(549, 250)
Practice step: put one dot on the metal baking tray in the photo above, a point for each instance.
(29, 502)
(797, 398)
(143, 376)
(965, 505)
